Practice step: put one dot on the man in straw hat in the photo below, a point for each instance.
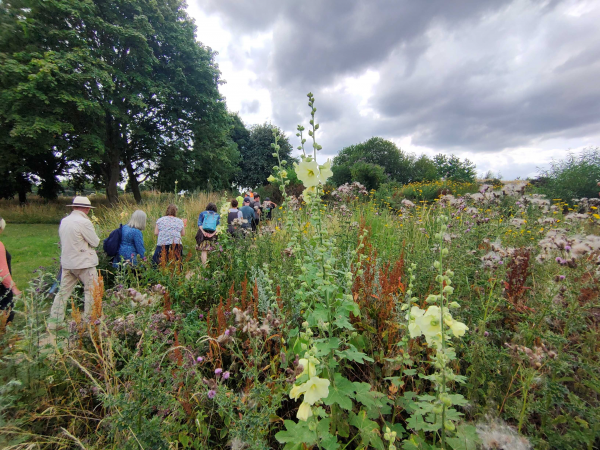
(78, 259)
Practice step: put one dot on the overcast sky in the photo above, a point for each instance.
(507, 84)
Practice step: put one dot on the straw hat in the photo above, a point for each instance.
(81, 202)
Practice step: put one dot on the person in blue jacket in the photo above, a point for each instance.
(132, 240)
(207, 231)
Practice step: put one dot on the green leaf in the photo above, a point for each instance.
(369, 430)
(341, 392)
(354, 355)
(297, 434)
(324, 346)
(466, 438)
(327, 440)
(376, 402)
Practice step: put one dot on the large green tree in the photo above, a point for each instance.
(126, 87)
(256, 158)
(46, 81)
(396, 164)
(452, 168)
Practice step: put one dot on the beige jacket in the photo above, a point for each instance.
(77, 240)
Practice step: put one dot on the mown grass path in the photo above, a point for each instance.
(31, 246)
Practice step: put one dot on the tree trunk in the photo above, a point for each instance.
(114, 161)
(23, 187)
(133, 182)
(114, 174)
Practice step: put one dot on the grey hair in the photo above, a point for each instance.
(2, 224)
(138, 220)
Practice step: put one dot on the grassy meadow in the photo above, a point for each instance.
(336, 296)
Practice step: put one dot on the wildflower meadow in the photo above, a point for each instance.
(464, 319)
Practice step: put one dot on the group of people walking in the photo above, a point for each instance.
(78, 241)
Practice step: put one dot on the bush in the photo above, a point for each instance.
(573, 177)
(369, 175)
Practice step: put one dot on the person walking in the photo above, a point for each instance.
(234, 213)
(258, 209)
(132, 241)
(268, 207)
(78, 260)
(169, 229)
(208, 221)
(8, 288)
(248, 215)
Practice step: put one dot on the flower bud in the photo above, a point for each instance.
(436, 264)
(449, 290)
(453, 305)
(444, 251)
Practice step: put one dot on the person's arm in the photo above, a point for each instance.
(201, 219)
(7, 280)
(183, 228)
(240, 215)
(89, 234)
(138, 241)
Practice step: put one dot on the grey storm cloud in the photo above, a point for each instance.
(469, 75)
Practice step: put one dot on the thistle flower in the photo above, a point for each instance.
(212, 394)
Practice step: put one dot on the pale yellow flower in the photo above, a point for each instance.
(315, 389)
(297, 391)
(304, 412)
(308, 173)
(271, 178)
(325, 172)
(309, 367)
(283, 174)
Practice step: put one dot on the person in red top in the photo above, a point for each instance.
(8, 288)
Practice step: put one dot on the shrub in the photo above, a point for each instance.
(573, 177)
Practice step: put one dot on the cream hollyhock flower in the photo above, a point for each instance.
(271, 178)
(458, 328)
(308, 173)
(316, 388)
(304, 412)
(413, 327)
(283, 174)
(309, 367)
(297, 391)
(325, 171)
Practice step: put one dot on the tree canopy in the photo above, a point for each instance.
(109, 87)
(256, 154)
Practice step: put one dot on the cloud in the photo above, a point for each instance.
(490, 79)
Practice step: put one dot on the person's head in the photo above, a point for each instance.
(247, 201)
(138, 220)
(2, 224)
(171, 210)
(211, 207)
(256, 197)
(234, 203)
(267, 199)
(82, 204)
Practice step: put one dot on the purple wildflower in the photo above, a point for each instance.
(212, 393)
(218, 371)
(200, 359)
(486, 334)
(561, 277)
(226, 375)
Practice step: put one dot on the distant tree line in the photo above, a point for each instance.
(378, 161)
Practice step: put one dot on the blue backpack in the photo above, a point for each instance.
(210, 222)
(113, 242)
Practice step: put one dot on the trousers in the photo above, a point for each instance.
(69, 279)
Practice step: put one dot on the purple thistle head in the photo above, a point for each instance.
(226, 375)
(218, 371)
(567, 247)
(561, 277)
(212, 393)
(200, 359)
(486, 334)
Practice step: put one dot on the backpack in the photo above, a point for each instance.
(210, 222)
(113, 242)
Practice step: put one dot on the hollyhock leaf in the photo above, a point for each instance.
(296, 434)
(341, 393)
